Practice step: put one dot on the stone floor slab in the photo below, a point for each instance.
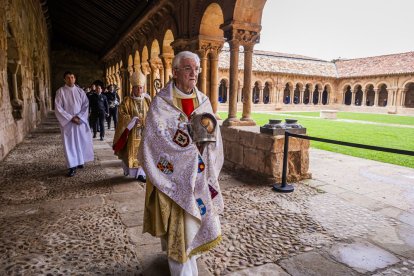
(314, 264)
(363, 256)
(264, 270)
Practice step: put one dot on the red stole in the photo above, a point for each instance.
(187, 106)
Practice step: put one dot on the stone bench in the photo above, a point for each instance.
(328, 114)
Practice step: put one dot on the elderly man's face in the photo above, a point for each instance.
(186, 75)
(137, 90)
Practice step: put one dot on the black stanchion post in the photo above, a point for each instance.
(284, 187)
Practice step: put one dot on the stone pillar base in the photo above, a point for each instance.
(247, 122)
(231, 122)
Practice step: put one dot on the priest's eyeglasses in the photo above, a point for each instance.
(189, 69)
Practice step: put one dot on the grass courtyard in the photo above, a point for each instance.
(390, 131)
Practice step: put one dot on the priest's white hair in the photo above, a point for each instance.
(183, 55)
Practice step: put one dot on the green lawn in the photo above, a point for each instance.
(383, 136)
(377, 118)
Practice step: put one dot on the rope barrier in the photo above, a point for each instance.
(286, 188)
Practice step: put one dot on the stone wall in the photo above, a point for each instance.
(85, 65)
(24, 71)
(248, 150)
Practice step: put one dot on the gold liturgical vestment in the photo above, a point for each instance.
(129, 108)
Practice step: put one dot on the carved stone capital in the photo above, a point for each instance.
(209, 47)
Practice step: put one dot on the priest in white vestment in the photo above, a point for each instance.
(71, 109)
(183, 200)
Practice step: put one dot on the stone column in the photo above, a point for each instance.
(401, 97)
(203, 75)
(261, 94)
(239, 93)
(292, 95)
(320, 91)
(214, 82)
(146, 70)
(364, 98)
(302, 93)
(272, 94)
(124, 85)
(353, 98)
(16, 103)
(391, 101)
(376, 97)
(167, 62)
(247, 84)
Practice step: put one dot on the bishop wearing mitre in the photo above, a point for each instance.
(131, 121)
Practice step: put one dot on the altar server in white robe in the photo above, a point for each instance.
(71, 109)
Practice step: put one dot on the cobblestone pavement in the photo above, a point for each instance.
(54, 225)
(91, 224)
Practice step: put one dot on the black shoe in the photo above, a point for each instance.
(142, 178)
(94, 136)
(71, 172)
(80, 166)
(101, 139)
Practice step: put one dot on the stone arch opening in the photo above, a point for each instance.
(266, 93)
(296, 93)
(306, 94)
(156, 66)
(315, 99)
(347, 95)
(409, 95)
(358, 95)
(325, 94)
(256, 93)
(144, 64)
(382, 95)
(222, 96)
(370, 95)
(137, 61)
(167, 55)
(286, 94)
(130, 64)
(211, 21)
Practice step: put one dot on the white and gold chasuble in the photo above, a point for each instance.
(181, 182)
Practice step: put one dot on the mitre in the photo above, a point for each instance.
(137, 79)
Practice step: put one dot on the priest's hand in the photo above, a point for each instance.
(76, 120)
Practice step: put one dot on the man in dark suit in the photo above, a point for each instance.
(113, 101)
(99, 110)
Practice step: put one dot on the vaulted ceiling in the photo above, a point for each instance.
(92, 25)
